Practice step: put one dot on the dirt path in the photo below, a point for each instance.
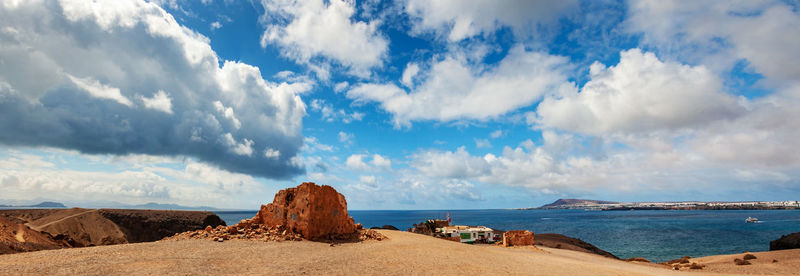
(20, 236)
(39, 227)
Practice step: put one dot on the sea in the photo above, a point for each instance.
(658, 235)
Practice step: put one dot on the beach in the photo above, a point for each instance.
(403, 253)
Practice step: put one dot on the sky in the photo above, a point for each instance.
(408, 104)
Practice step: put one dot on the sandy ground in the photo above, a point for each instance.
(404, 253)
(788, 263)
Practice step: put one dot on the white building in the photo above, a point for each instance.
(470, 234)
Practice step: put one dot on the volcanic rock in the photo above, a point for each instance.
(517, 238)
(315, 212)
(790, 241)
(15, 237)
(569, 243)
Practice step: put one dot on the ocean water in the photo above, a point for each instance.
(655, 235)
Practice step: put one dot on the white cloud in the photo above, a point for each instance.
(228, 113)
(408, 74)
(331, 114)
(243, 148)
(307, 30)
(145, 178)
(215, 25)
(639, 94)
(458, 164)
(453, 89)
(160, 101)
(482, 143)
(496, 134)
(341, 86)
(312, 144)
(367, 179)
(346, 138)
(459, 19)
(381, 161)
(717, 33)
(356, 162)
(102, 91)
(272, 153)
(111, 53)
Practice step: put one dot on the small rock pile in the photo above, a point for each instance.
(248, 230)
(241, 231)
(684, 262)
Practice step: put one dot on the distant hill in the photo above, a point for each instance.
(46, 204)
(562, 202)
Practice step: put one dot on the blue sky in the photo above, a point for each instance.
(399, 104)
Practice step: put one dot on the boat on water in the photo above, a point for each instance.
(751, 220)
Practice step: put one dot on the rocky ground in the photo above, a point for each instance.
(248, 230)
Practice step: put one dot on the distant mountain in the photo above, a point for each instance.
(563, 202)
(46, 204)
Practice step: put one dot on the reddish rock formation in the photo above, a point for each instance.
(315, 212)
(517, 238)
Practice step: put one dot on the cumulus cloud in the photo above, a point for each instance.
(160, 101)
(454, 89)
(381, 161)
(331, 114)
(126, 78)
(356, 162)
(346, 138)
(309, 30)
(640, 94)
(765, 33)
(136, 179)
(408, 74)
(459, 19)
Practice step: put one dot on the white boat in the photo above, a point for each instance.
(751, 220)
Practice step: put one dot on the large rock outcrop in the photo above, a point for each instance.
(790, 241)
(313, 211)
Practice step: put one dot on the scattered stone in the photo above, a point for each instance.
(749, 257)
(696, 266)
(209, 228)
(682, 260)
(738, 261)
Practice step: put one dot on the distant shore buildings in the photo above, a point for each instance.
(683, 205)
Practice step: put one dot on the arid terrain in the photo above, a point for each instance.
(403, 253)
(37, 229)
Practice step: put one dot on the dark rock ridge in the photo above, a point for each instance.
(153, 225)
(563, 242)
(790, 241)
(385, 227)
